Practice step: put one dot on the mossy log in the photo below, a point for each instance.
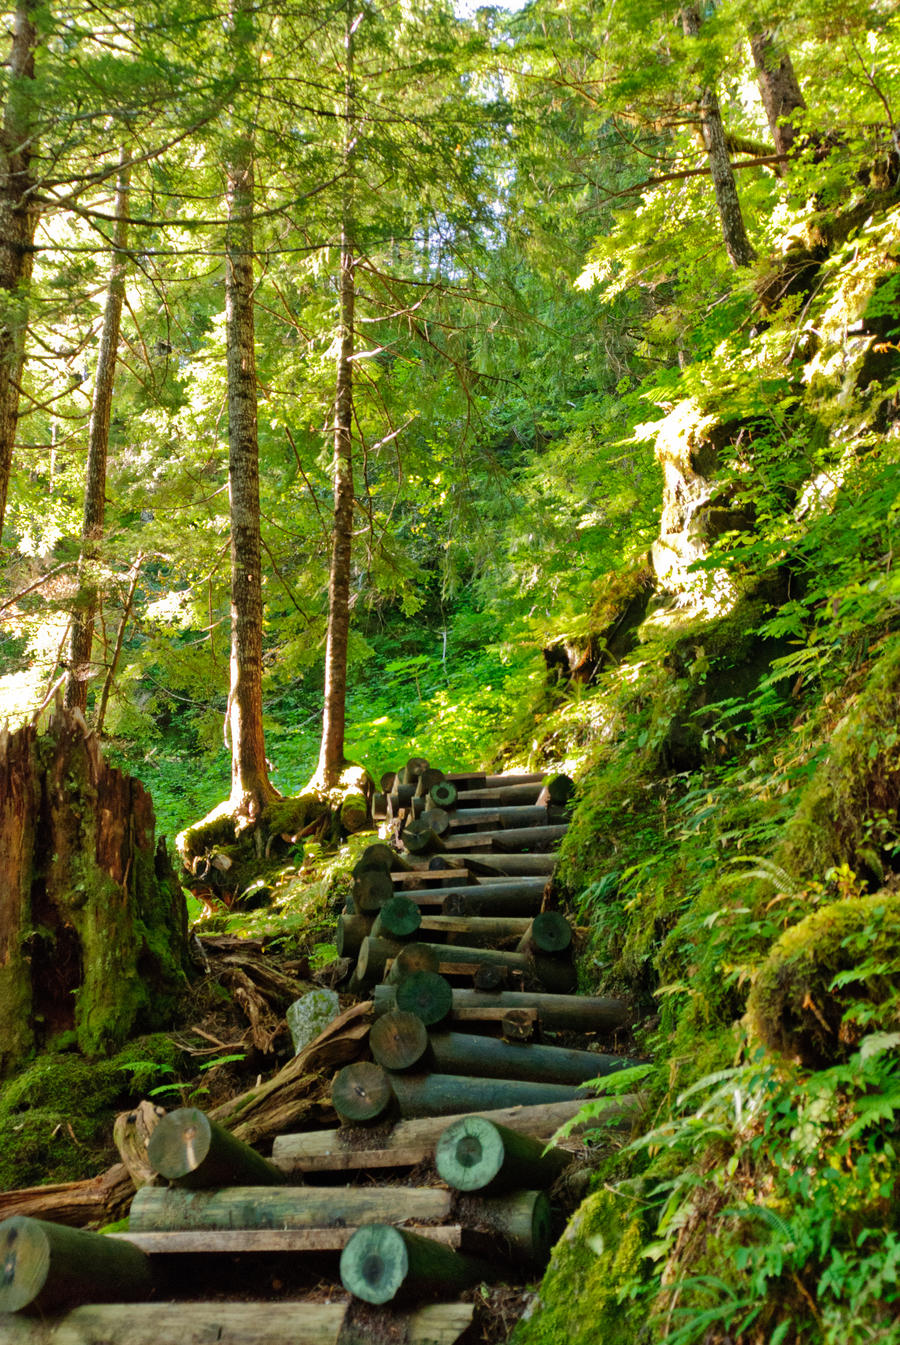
(93, 922)
(558, 1013)
(476, 1154)
(159, 1209)
(274, 1322)
(491, 1058)
(427, 994)
(399, 918)
(381, 1263)
(48, 1265)
(447, 1094)
(188, 1148)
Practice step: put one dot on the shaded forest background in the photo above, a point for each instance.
(564, 346)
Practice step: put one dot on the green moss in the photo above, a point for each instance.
(795, 1007)
(56, 1116)
(585, 1295)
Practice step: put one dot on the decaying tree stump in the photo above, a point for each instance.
(93, 923)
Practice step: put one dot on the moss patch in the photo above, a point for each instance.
(585, 1294)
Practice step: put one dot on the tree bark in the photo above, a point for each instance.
(331, 751)
(778, 88)
(18, 220)
(738, 246)
(250, 787)
(82, 636)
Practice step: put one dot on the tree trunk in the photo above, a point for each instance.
(82, 635)
(18, 220)
(250, 787)
(778, 88)
(738, 246)
(93, 925)
(331, 751)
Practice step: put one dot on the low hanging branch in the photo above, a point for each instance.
(763, 161)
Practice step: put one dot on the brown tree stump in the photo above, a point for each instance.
(93, 923)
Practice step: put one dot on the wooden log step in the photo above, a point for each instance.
(350, 932)
(398, 1040)
(188, 1148)
(46, 1266)
(475, 1154)
(549, 933)
(372, 889)
(500, 796)
(479, 780)
(513, 816)
(361, 1093)
(475, 930)
(380, 1263)
(490, 1058)
(522, 1220)
(411, 1142)
(263, 1322)
(443, 794)
(399, 918)
(447, 1094)
(418, 837)
(504, 897)
(375, 953)
(410, 958)
(250, 1241)
(160, 1209)
(427, 994)
(558, 1013)
(485, 863)
(539, 838)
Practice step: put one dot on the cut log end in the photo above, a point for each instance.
(361, 1092)
(374, 1264)
(398, 1040)
(427, 995)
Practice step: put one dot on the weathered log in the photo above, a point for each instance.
(557, 974)
(424, 993)
(48, 1265)
(267, 1322)
(221, 1242)
(412, 957)
(479, 780)
(158, 1209)
(398, 1040)
(418, 836)
(438, 819)
(522, 1221)
(557, 790)
(351, 930)
(427, 781)
(511, 816)
(518, 1024)
(411, 1142)
(187, 1147)
(97, 1200)
(372, 889)
(375, 953)
(442, 795)
(446, 1094)
(558, 1013)
(490, 978)
(549, 933)
(379, 1263)
(388, 780)
(522, 898)
(361, 1092)
(399, 918)
(416, 766)
(539, 838)
(376, 856)
(511, 866)
(474, 930)
(490, 1058)
(475, 1154)
(501, 796)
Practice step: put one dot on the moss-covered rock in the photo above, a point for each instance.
(820, 972)
(585, 1294)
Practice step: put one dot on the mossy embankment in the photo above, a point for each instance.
(737, 834)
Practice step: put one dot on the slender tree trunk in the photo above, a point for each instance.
(250, 787)
(98, 445)
(778, 87)
(738, 246)
(331, 753)
(18, 219)
(135, 575)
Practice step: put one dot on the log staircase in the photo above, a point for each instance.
(436, 1181)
